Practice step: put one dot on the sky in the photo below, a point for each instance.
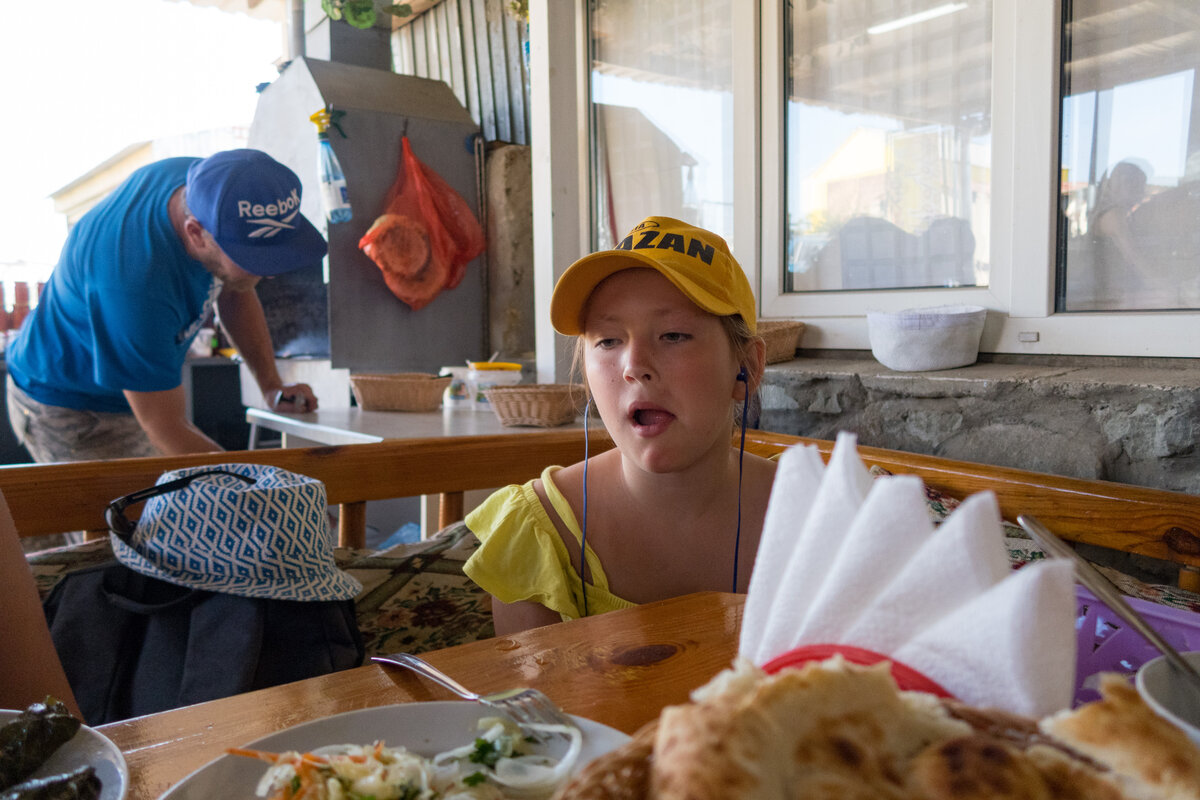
(85, 78)
(1160, 149)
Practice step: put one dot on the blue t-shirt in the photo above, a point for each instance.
(122, 305)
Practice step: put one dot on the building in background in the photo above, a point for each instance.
(77, 197)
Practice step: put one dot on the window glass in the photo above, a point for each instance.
(1129, 197)
(661, 84)
(888, 144)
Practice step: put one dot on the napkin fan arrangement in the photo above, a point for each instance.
(851, 563)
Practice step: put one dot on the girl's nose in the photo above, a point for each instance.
(638, 364)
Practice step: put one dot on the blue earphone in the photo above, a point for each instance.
(744, 377)
(587, 412)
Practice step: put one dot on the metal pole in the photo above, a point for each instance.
(296, 31)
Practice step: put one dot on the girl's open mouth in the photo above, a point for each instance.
(651, 418)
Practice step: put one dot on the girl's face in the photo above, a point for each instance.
(661, 370)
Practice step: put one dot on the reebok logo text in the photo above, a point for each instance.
(271, 218)
(281, 206)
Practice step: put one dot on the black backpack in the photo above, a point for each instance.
(134, 645)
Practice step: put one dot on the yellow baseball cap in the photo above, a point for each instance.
(697, 261)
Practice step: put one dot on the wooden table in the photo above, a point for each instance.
(338, 426)
(619, 668)
(343, 426)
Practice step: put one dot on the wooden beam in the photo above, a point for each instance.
(53, 498)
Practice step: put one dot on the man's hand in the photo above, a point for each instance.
(242, 317)
(292, 398)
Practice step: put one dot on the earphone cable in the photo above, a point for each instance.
(587, 411)
(737, 539)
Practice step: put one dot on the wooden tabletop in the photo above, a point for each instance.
(338, 426)
(619, 668)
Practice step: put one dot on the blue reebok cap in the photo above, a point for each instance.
(250, 203)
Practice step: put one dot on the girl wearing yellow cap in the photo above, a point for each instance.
(666, 325)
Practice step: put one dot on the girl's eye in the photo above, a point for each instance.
(676, 336)
(605, 344)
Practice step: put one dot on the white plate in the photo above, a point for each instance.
(1169, 694)
(423, 728)
(90, 748)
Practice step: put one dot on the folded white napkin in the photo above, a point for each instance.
(889, 528)
(966, 556)
(834, 502)
(800, 469)
(1011, 647)
(847, 560)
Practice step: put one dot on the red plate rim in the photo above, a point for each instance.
(905, 676)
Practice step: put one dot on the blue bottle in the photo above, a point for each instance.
(333, 181)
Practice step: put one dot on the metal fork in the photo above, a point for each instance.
(524, 706)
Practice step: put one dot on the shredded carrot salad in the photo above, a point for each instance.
(498, 765)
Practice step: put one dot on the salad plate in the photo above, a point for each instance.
(87, 748)
(423, 728)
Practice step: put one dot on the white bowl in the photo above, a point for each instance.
(1165, 691)
(919, 339)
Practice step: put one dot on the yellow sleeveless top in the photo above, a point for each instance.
(521, 556)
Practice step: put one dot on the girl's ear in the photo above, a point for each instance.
(754, 362)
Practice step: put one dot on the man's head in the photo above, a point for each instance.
(250, 204)
(696, 260)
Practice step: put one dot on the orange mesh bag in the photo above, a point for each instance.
(426, 235)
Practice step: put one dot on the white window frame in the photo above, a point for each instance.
(1020, 294)
(561, 144)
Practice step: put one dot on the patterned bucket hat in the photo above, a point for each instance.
(252, 530)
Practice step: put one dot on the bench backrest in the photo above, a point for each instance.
(1134, 519)
(54, 498)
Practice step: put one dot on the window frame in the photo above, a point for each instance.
(1026, 50)
(1020, 297)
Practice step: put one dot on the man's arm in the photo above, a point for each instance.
(163, 416)
(242, 317)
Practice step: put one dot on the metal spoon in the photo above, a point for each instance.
(1107, 592)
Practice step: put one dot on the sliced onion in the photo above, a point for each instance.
(539, 773)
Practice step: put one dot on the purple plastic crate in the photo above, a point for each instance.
(1107, 644)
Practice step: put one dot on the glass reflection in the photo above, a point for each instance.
(888, 144)
(662, 113)
(1129, 197)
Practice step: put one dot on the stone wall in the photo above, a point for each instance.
(1128, 421)
(1131, 421)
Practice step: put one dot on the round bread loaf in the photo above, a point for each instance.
(837, 730)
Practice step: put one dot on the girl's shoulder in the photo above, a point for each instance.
(600, 469)
(761, 467)
(771, 460)
(512, 507)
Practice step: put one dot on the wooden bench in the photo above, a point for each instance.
(54, 498)
(1133, 519)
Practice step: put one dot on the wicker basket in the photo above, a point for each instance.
(540, 405)
(782, 338)
(401, 391)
